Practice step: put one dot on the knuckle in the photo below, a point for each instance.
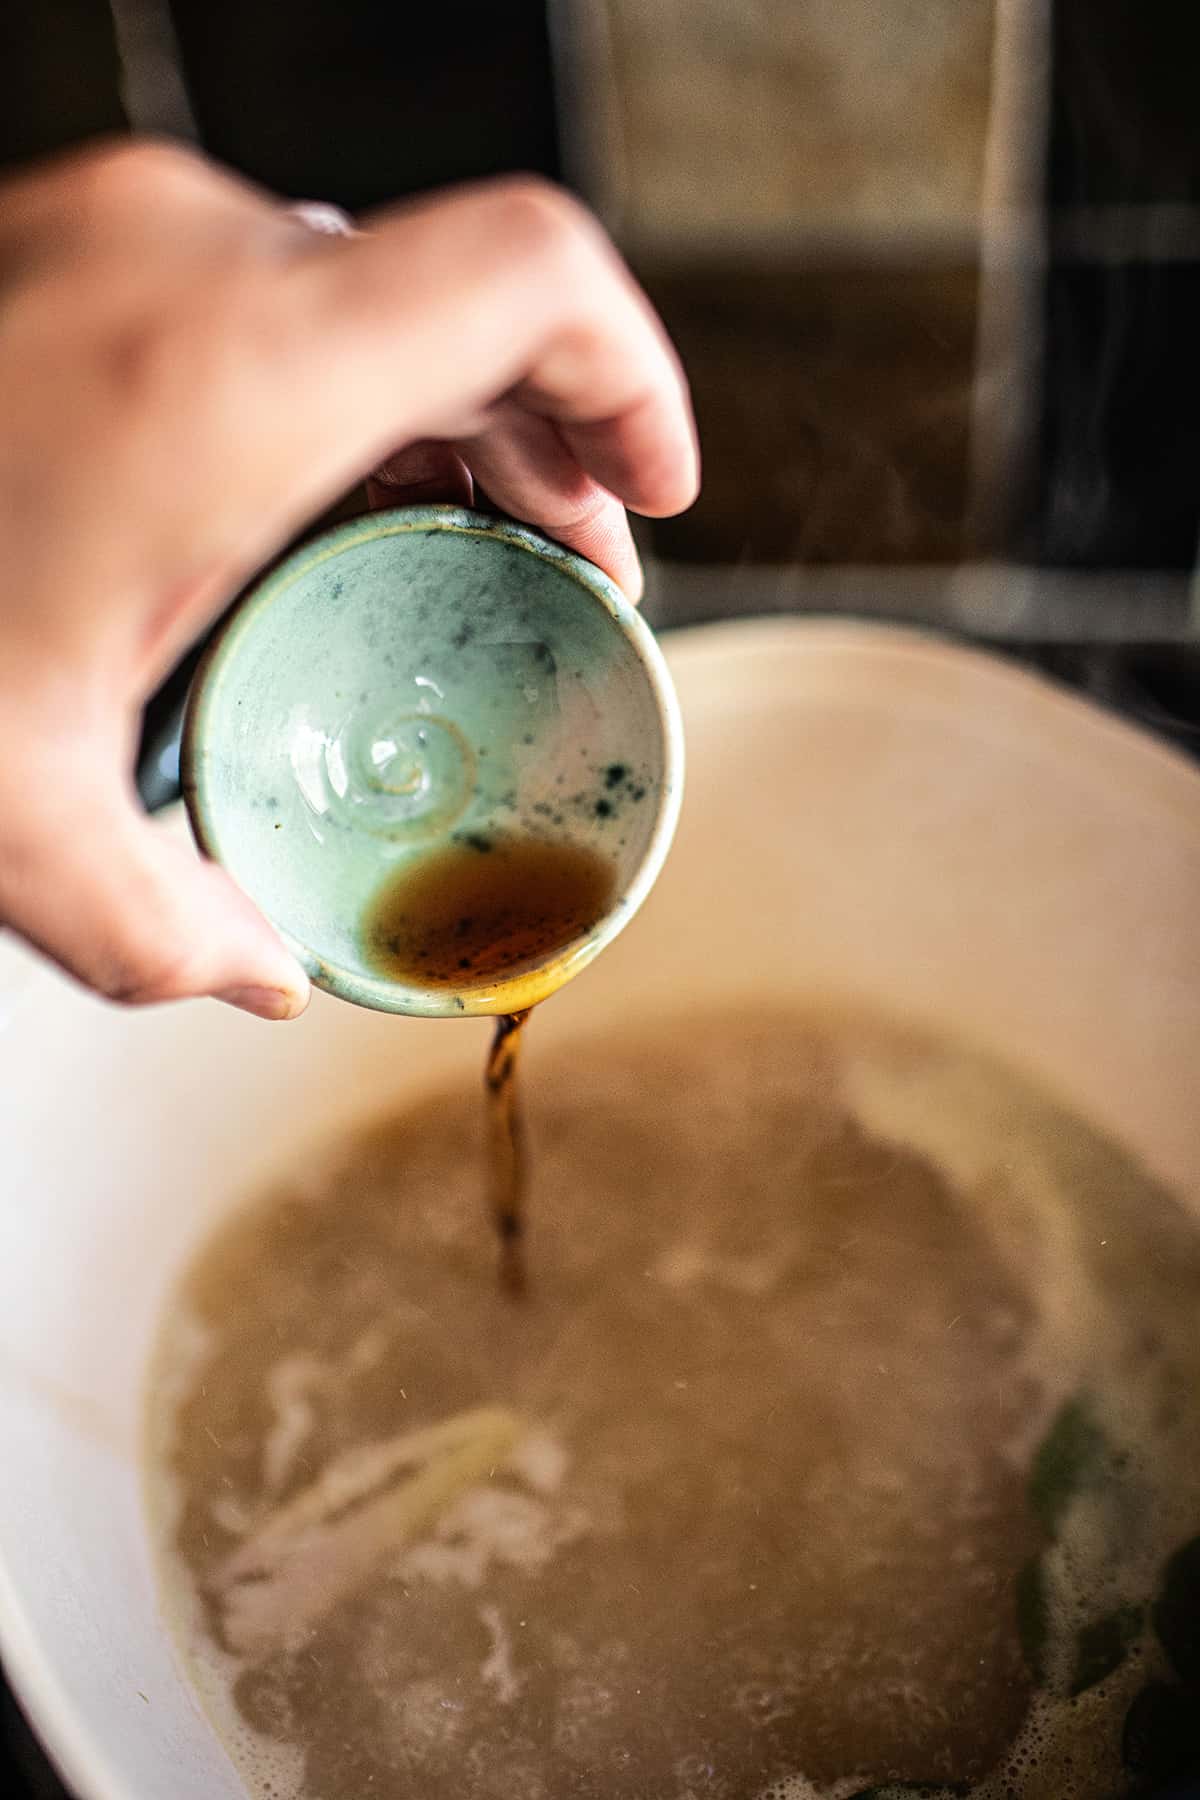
(128, 171)
(141, 353)
(583, 505)
(147, 954)
(78, 881)
(537, 213)
(188, 352)
(134, 975)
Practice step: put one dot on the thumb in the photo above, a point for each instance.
(139, 916)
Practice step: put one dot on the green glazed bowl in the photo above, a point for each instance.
(417, 679)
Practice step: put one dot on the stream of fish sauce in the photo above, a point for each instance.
(508, 1174)
(476, 909)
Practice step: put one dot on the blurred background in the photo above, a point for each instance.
(934, 265)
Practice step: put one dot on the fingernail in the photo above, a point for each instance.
(422, 465)
(412, 491)
(264, 1002)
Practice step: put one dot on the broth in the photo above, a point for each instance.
(845, 1436)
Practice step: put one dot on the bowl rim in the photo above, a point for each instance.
(539, 979)
(712, 659)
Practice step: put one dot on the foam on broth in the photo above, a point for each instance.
(856, 1395)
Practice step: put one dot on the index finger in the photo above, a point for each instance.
(508, 289)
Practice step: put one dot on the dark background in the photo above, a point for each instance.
(360, 101)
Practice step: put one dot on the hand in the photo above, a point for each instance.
(188, 375)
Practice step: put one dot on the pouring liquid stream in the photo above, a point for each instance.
(507, 1164)
(478, 909)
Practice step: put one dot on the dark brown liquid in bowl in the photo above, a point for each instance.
(483, 907)
(848, 1428)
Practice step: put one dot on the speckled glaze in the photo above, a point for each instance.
(418, 677)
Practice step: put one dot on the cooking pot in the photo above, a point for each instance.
(873, 817)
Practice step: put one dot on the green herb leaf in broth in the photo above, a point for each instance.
(1177, 1612)
(1102, 1647)
(1073, 1456)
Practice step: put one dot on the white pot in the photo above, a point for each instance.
(870, 816)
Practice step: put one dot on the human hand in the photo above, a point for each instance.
(190, 374)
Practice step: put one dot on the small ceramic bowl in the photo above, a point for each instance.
(418, 680)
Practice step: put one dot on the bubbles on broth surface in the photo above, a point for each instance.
(839, 1448)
